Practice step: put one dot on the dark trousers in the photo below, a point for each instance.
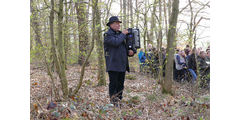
(180, 74)
(116, 85)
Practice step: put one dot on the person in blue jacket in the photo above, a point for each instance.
(142, 58)
(116, 56)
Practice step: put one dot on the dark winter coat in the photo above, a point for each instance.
(202, 64)
(192, 62)
(115, 50)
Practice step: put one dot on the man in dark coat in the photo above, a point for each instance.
(192, 65)
(204, 69)
(116, 56)
(203, 66)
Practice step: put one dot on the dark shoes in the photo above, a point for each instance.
(117, 103)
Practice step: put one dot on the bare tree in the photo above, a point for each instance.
(159, 43)
(193, 22)
(99, 39)
(167, 83)
(35, 23)
(124, 15)
(94, 5)
(82, 30)
(66, 32)
(165, 16)
(62, 74)
(153, 23)
(137, 13)
(131, 13)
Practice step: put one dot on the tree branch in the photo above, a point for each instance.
(50, 7)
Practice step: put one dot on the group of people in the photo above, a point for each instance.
(185, 64)
(116, 57)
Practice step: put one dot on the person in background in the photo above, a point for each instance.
(202, 62)
(149, 58)
(142, 58)
(155, 60)
(204, 69)
(192, 68)
(180, 66)
(163, 62)
(174, 64)
(149, 51)
(208, 56)
(187, 50)
(149, 47)
(198, 51)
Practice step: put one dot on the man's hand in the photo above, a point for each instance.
(125, 31)
(130, 53)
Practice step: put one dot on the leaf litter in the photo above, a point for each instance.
(142, 99)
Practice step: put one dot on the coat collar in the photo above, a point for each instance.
(111, 31)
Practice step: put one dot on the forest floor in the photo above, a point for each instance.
(142, 99)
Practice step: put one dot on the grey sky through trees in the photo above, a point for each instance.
(203, 29)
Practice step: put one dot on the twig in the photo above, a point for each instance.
(50, 7)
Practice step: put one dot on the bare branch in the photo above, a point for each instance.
(49, 6)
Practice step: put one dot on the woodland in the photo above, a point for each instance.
(68, 78)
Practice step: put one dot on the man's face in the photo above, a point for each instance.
(150, 46)
(182, 53)
(203, 54)
(115, 26)
(208, 53)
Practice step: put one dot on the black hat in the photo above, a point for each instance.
(113, 19)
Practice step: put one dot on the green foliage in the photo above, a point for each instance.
(164, 91)
(35, 54)
(130, 77)
(32, 55)
(134, 100)
(200, 118)
(128, 90)
(66, 119)
(152, 97)
(88, 82)
(183, 98)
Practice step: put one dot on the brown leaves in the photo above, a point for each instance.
(142, 99)
(51, 105)
(35, 83)
(35, 107)
(84, 114)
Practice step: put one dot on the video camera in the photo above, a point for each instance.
(133, 39)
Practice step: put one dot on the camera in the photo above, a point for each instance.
(133, 39)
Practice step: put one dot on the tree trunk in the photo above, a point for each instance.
(197, 66)
(128, 13)
(160, 36)
(121, 12)
(99, 39)
(165, 17)
(153, 23)
(35, 24)
(167, 83)
(137, 13)
(89, 53)
(109, 5)
(131, 13)
(169, 6)
(82, 29)
(62, 74)
(146, 18)
(53, 57)
(124, 15)
(190, 37)
(66, 34)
